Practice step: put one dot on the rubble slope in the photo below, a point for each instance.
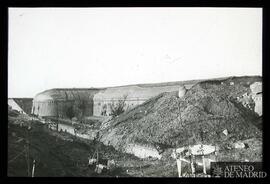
(206, 110)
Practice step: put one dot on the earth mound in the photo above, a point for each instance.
(201, 116)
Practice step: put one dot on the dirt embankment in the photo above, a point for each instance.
(60, 154)
(201, 116)
(55, 154)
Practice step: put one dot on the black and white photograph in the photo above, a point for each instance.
(135, 92)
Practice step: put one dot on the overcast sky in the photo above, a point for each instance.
(98, 47)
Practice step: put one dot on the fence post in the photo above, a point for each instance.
(179, 166)
(33, 169)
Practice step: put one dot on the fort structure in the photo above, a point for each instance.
(97, 101)
(133, 96)
(57, 102)
(256, 93)
(181, 91)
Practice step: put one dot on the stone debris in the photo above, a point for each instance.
(256, 87)
(111, 164)
(182, 91)
(100, 168)
(92, 161)
(225, 132)
(239, 145)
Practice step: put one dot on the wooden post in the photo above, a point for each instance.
(33, 169)
(97, 158)
(203, 162)
(57, 116)
(26, 158)
(28, 153)
(192, 165)
(179, 166)
(215, 153)
(191, 160)
(141, 170)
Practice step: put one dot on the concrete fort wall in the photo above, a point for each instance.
(58, 108)
(256, 92)
(102, 107)
(133, 96)
(54, 102)
(258, 104)
(51, 108)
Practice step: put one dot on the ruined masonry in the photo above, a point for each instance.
(256, 93)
